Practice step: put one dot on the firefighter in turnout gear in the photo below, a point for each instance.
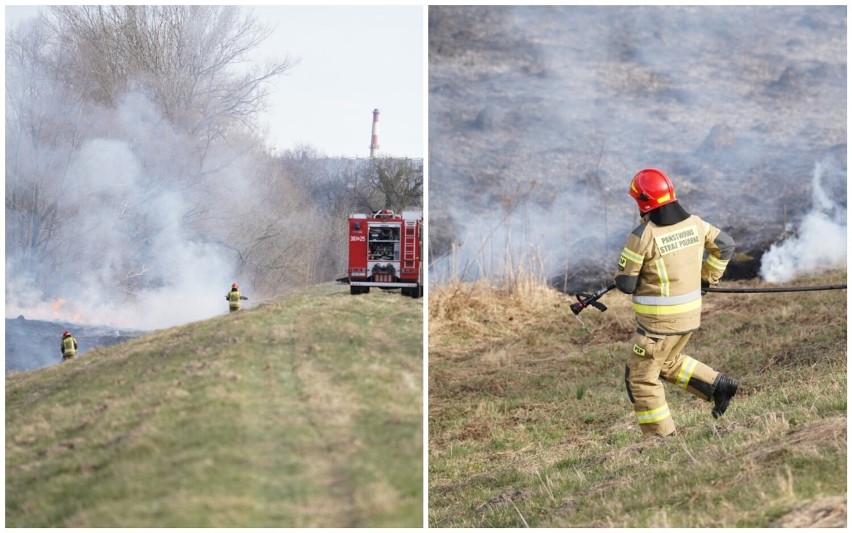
(69, 346)
(234, 298)
(667, 261)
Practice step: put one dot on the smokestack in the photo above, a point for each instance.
(374, 145)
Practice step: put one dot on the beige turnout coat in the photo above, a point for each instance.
(667, 299)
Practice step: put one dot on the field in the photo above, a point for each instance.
(529, 423)
(539, 115)
(306, 412)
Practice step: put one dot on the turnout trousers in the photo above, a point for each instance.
(659, 357)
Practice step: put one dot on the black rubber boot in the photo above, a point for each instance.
(723, 390)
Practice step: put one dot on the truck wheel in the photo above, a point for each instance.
(414, 292)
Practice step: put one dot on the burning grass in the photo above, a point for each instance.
(529, 423)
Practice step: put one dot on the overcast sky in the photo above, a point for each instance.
(351, 60)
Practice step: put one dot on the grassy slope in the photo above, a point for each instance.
(529, 423)
(303, 412)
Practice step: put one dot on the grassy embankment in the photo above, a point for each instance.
(303, 412)
(529, 423)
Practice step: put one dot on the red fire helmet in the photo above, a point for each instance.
(651, 188)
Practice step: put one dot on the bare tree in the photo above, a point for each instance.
(275, 236)
(399, 182)
(185, 57)
(40, 139)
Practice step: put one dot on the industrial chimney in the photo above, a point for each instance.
(374, 144)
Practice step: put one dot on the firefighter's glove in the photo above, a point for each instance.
(704, 286)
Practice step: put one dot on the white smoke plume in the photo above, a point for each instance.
(818, 244)
(129, 214)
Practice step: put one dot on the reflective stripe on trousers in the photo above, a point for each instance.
(653, 415)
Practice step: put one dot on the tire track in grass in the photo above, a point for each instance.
(331, 411)
(303, 413)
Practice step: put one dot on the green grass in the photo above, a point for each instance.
(306, 412)
(529, 424)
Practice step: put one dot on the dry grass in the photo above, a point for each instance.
(529, 423)
(823, 512)
(482, 309)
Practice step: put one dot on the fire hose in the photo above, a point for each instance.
(585, 300)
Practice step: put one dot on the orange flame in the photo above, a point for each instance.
(57, 305)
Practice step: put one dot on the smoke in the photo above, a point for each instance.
(734, 103)
(139, 244)
(820, 241)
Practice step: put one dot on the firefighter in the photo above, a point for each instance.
(69, 346)
(234, 298)
(663, 267)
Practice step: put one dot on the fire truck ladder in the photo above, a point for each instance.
(410, 248)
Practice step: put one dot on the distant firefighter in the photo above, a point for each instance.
(234, 298)
(69, 346)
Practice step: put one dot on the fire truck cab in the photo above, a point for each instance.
(385, 251)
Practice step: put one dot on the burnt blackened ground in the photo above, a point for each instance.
(32, 344)
(539, 117)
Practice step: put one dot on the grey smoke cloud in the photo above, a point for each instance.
(734, 103)
(131, 256)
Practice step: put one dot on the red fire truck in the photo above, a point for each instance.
(384, 251)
